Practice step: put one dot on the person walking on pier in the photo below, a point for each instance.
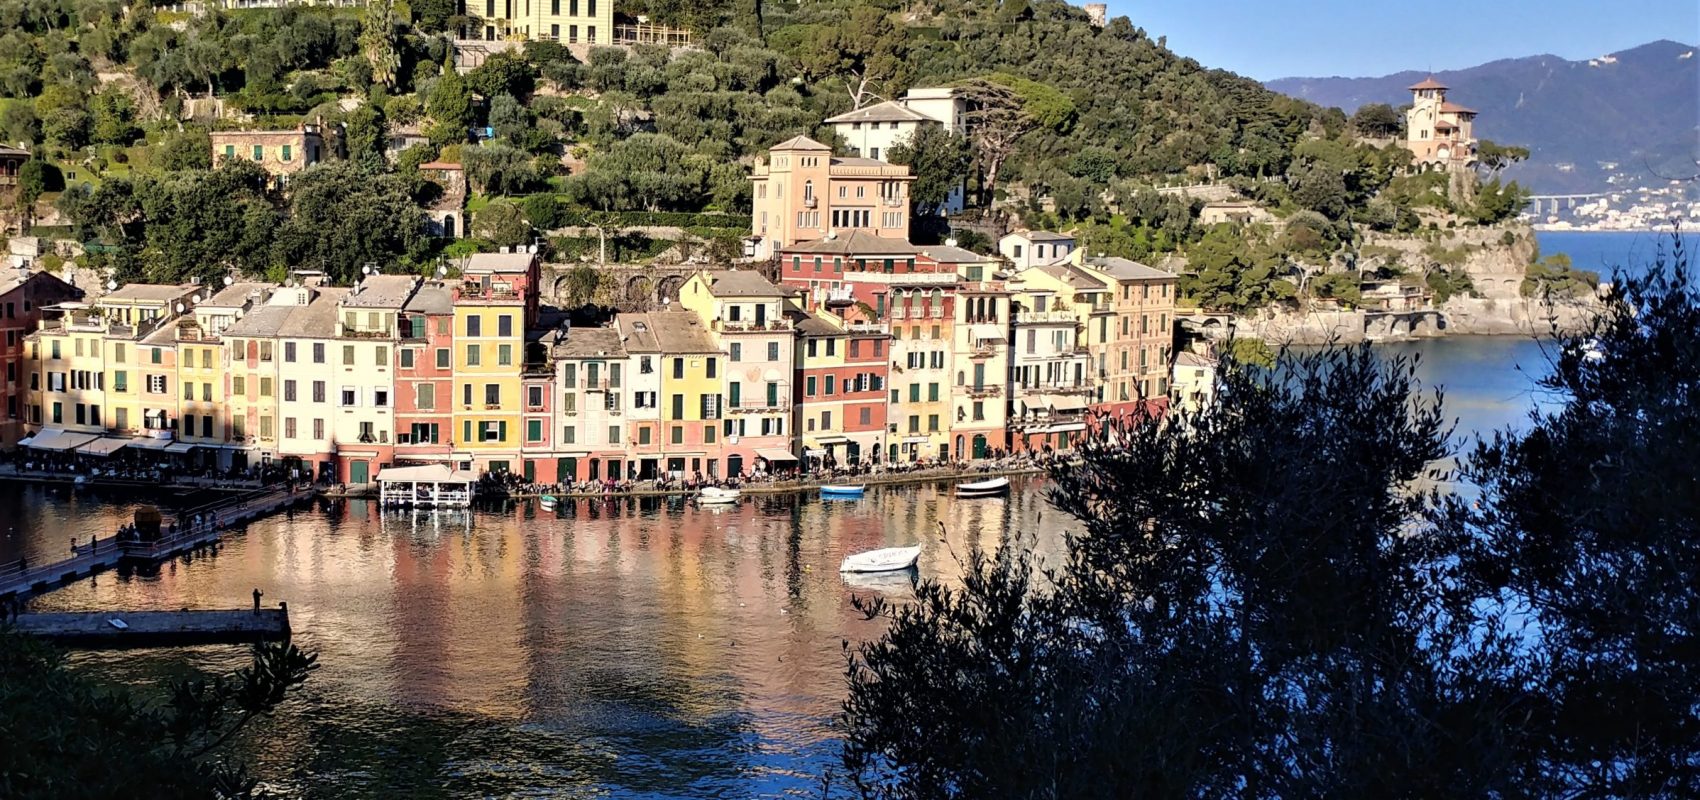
(257, 594)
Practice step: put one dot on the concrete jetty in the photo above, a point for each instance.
(107, 629)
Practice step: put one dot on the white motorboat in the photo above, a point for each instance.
(715, 495)
(547, 502)
(888, 559)
(842, 491)
(986, 488)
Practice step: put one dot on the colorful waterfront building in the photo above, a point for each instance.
(218, 397)
(979, 352)
(685, 438)
(1050, 386)
(495, 303)
(309, 373)
(82, 361)
(1134, 366)
(804, 192)
(540, 451)
(841, 400)
(424, 386)
(745, 316)
(594, 382)
(367, 337)
(23, 295)
(255, 358)
(643, 431)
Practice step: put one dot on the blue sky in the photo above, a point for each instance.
(1267, 39)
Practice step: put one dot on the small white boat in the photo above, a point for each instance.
(547, 502)
(986, 488)
(889, 559)
(843, 491)
(715, 495)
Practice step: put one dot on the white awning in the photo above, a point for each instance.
(1065, 402)
(916, 439)
(775, 454)
(104, 446)
(426, 473)
(179, 447)
(150, 443)
(984, 333)
(831, 440)
(59, 440)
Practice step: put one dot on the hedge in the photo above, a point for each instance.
(551, 211)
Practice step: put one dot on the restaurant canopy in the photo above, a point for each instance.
(59, 440)
(104, 446)
(775, 454)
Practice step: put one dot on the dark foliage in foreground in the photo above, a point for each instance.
(68, 739)
(1263, 602)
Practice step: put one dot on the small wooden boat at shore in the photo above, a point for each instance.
(888, 559)
(547, 502)
(986, 488)
(715, 495)
(842, 491)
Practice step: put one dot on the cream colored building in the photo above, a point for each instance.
(804, 193)
(1133, 364)
(1440, 133)
(872, 131)
(1026, 249)
(566, 21)
(745, 316)
(980, 352)
(280, 153)
(367, 337)
(87, 360)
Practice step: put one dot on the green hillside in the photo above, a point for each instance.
(117, 101)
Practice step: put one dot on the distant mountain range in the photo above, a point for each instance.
(1633, 114)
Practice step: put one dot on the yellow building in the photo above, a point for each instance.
(688, 373)
(565, 21)
(86, 367)
(494, 304)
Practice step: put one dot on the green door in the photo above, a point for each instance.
(979, 447)
(358, 472)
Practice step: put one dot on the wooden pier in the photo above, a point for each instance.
(104, 554)
(106, 629)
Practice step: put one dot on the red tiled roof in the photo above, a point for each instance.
(1429, 83)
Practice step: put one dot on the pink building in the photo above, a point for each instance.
(425, 378)
(22, 295)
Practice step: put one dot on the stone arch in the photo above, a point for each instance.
(640, 288)
(667, 288)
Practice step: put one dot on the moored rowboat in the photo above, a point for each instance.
(842, 491)
(986, 488)
(888, 559)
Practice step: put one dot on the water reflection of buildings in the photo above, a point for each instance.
(650, 627)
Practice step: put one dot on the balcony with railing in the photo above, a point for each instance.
(985, 390)
(751, 326)
(869, 328)
(1045, 317)
(904, 278)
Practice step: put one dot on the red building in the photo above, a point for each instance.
(425, 378)
(22, 294)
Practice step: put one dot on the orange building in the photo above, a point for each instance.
(804, 192)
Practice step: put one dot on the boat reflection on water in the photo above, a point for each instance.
(896, 583)
(606, 648)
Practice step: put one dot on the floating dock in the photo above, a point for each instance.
(106, 629)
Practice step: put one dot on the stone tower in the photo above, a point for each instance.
(1440, 133)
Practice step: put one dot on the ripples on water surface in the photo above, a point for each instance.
(630, 649)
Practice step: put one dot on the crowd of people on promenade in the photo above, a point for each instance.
(26, 462)
(778, 475)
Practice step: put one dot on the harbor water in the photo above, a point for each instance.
(642, 649)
